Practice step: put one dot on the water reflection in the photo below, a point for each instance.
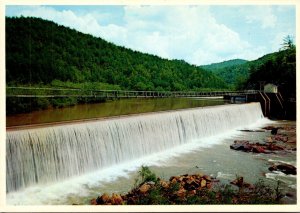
(109, 108)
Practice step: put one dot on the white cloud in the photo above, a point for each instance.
(261, 14)
(184, 32)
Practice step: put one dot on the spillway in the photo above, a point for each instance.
(50, 154)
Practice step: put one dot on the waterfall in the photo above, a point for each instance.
(50, 154)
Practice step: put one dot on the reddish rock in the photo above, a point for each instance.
(192, 192)
(282, 138)
(209, 185)
(116, 199)
(181, 192)
(258, 149)
(164, 184)
(238, 182)
(93, 202)
(104, 199)
(274, 147)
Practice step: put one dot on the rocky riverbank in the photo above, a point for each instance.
(282, 140)
(191, 189)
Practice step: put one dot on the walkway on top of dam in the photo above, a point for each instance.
(87, 93)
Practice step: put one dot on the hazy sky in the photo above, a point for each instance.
(198, 34)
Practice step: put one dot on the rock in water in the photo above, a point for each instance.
(258, 149)
(268, 127)
(285, 168)
(274, 131)
(241, 145)
(238, 182)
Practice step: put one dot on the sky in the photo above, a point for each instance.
(198, 34)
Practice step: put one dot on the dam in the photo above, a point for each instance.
(45, 155)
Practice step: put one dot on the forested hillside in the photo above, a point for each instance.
(232, 72)
(278, 68)
(42, 52)
(236, 72)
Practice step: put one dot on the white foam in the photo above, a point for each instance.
(276, 175)
(225, 176)
(281, 161)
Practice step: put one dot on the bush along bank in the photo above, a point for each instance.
(191, 189)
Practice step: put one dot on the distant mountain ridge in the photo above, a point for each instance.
(220, 65)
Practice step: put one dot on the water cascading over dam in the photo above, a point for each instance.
(49, 154)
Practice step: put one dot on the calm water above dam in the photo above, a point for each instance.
(109, 108)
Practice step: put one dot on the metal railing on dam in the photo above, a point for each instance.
(88, 93)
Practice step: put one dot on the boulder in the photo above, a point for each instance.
(116, 199)
(164, 184)
(274, 147)
(285, 168)
(206, 177)
(190, 181)
(241, 145)
(282, 138)
(274, 131)
(269, 140)
(144, 188)
(268, 127)
(93, 202)
(181, 192)
(209, 185)
(258, 149)
(174, 178)
(104, 199)
(192, 192)
(203, 183)
(238, 182)
(194, 185)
